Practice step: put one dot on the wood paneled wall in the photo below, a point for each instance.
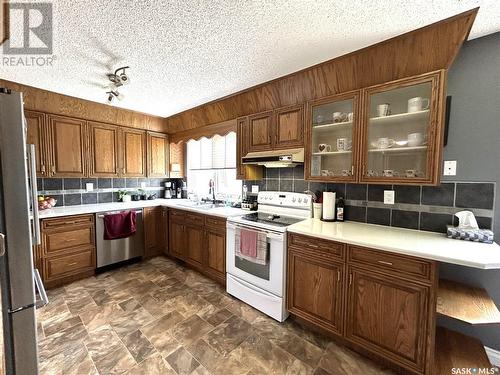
(46, 101)
(427, 49)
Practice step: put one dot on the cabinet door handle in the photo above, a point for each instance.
(338, 275)
(53, 169)
(350, 279)
(384, 262)
(72, 264)
(352, 170)
(43, 168)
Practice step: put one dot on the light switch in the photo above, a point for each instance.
(89, 186)
(255, 189)
(388, 196)
(450, 168)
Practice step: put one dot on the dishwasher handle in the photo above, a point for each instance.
(139, 212)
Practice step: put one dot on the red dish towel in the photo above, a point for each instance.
(248, 243)
(119, 225)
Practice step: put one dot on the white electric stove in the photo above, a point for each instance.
(263, 286)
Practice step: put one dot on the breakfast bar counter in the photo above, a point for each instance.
(427, 245)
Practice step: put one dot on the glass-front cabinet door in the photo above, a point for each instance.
(402, 131)
(332, 130)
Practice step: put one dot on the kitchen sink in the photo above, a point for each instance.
(201, 205)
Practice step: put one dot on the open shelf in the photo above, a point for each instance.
(398, 149)
(466, 303)
(332, 126)
(456, 350)
(331, 153)
(411, 116)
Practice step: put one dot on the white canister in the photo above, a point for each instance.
(317, 208)
(328, 206)
(126, 198)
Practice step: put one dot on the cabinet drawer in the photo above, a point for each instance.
(195, 219)
(302, 242)
(215, 222)
(66, 221)
(176, 214)
(69, 264)
(399, 265)
(73, 237)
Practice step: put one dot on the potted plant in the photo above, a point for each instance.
(124, 196)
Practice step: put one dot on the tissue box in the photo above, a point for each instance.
(476, 235)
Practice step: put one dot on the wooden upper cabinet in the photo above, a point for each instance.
(68, 146)
(245, 172)
(36, 135)
(104, 150)
(388, 316)
(133, 155)
(289, 128)
(332, 133)
(403, 127)
(158, 155)
(176, 160)
(315, 289)
(260, 132)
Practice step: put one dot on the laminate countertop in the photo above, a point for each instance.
(428, 245)
(182, 204)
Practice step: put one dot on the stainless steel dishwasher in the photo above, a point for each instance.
(114, 251)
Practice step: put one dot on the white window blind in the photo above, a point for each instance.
(213, 159)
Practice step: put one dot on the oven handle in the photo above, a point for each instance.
(269, 234)
(102, 216)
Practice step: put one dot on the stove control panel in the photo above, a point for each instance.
(279, 198)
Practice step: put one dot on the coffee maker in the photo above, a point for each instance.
(170, 191)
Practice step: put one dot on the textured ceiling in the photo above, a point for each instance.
(185, 53)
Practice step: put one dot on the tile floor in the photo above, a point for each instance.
(157, 317)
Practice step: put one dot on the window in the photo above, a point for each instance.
(213, 159)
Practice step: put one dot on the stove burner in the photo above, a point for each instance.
(282, 221)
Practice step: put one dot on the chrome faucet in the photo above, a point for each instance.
(211, 190)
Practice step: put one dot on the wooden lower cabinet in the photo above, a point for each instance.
(68, 249)
(315, 290)
(164, 226)
(380, 303)
(215, 255)
(154, 229)
(388, 315)
(200, 241)
(195, 245)
(176, 237)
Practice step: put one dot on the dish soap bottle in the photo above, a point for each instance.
(340, 209)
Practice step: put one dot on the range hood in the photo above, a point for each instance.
(275, 159)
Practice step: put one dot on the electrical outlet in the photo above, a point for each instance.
(89, 186)
(143, 185)
(450, 168)
(388, 196)
(255, 189)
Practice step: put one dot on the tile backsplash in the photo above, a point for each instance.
(416, 207)
(72, 191)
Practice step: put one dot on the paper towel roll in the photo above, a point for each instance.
(328, 206)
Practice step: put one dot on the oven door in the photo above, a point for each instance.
(270, 277)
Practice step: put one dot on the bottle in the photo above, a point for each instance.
(340, 209)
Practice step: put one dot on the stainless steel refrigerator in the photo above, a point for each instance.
(21, 287)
